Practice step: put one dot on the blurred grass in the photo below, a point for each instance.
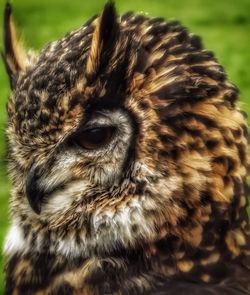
(224, 26)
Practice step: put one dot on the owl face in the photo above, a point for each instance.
(119, 134)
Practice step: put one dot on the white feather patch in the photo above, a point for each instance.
(14, 241)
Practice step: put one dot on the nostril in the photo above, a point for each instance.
(34, 191)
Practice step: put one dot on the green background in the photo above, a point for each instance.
(223, 24)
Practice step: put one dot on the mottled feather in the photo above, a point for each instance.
(128, 155)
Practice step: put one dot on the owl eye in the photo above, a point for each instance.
(95, 138)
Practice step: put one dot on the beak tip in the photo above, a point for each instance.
(36, 208)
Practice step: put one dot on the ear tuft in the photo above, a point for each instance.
(104, 39)
(108, 22)
(14, 57)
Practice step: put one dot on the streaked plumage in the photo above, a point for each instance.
(128, 157)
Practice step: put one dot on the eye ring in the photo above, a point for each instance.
(95, 137)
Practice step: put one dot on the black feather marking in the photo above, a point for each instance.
(8, 45)
(127, 15)
(104, 38)
(138, 20)
(108, 26)
(156, 21)
(8, 42)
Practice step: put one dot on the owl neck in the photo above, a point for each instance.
(134, 271)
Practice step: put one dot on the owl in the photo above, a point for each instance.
(127, 152)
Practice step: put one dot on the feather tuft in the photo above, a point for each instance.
(104, 39)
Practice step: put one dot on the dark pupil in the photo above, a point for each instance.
(95, 136)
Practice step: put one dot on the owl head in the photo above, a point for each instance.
(121, 134)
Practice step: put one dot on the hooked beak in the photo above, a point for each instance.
(34, 191)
